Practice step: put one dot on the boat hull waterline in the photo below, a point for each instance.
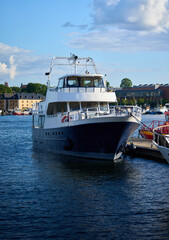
(97, 140)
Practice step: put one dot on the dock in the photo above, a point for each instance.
(140, 147)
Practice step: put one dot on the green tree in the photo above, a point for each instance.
(24, 90)
(16, 89)
(5, 89)
(35, 88)
(126, 83)
(107, 84)
(141, 101)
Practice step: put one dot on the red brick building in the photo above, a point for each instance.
(165, 90)
(156, 93)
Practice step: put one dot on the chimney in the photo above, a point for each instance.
(6, 84)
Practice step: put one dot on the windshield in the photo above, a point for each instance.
(91, 82)
(75, 81)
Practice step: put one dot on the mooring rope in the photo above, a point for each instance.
(141, 122)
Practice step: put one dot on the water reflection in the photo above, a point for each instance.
(111, 199)
(84, 167)
(46, 196)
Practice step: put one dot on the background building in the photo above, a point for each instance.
(22, 101)
(153, 94)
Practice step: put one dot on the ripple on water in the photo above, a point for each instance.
(47, 196)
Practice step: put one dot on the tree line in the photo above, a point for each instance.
(42, 88)
(30, 88)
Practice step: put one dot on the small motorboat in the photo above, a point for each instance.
(149, 112)
(161, 110)
(147, 131)
(161, 141)
(17, 112)
(28, 112)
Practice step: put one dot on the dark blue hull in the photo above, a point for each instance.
(96, 140)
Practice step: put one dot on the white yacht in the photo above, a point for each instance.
(167, 106)
(161, 110)
(78, 117)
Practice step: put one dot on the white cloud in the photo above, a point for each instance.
(126, 25)
(140, 15)
(17, 63)
(5, 70)
(121, 41)
(9, 50)
(12, 70)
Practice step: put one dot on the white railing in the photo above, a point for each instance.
(96, 112)
(78, 89)
(161, 135)
(35, 108)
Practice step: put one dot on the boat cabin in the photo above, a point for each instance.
(77, 81)
(64, 107)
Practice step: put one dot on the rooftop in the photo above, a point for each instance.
(22, 96)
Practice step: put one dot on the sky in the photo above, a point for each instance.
(126, 38)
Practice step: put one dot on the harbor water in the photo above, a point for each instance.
(44, 196)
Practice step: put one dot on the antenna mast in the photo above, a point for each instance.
(72, 60)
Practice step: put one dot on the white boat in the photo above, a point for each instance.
(161, 110)
(17, 112)
(167, 106)
(161, 140)
(27, 112)
(77, 118)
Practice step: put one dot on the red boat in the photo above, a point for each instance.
(18, 112)
(147, 132)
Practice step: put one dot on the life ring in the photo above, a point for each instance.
(65, 119)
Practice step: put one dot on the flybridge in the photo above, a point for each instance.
(75, 62)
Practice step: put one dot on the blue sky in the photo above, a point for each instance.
(126, 38)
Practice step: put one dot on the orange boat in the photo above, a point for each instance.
(147, 132)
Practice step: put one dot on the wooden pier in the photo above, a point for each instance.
(140, 147)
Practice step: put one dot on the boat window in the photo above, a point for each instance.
(103, 106)
(74, 106)
(61, 83)
(72, 82)
(86, 82)
(56, 107)
(167, 105)
(91, 82)
(35, 121)
(89, 104)
(41, 121)
(98, 82)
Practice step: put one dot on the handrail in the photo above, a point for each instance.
(154, 130)
(160, 137)
(100, 111)
(79, 89)
(153, 124)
